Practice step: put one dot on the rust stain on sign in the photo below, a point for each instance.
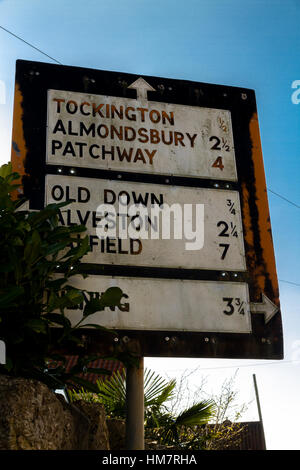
(215, 109)
(257, 223)
(19, 149)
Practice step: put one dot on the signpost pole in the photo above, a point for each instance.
(259, 410)
(135, 407)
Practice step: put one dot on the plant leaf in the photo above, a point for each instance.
(37, 324)
(199, 414)
(6, 299)
(85, 383)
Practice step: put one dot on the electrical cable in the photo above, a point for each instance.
(200, 369)
(280, 362)
(289, 282)
(284, 198)
(31, 45)
(55, 60)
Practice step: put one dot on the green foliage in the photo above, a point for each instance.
(160, 424)
(113, 392)
(172, 430)
(84, 395)
(204, 425)
(37, 259)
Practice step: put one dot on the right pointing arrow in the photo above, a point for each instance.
(266, 306)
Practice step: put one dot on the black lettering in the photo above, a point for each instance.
(61, 219)
(83, 220)
(58, 101)
(93, 241)
(68, 198)
(192, 138)
(91, 151)
(122, 252)
(101, 134)
(87, 195)
(80, 145)
(81, 108)
(95, 219)
(108, 192)
(110, 152)
(83, 130)
(69, 218)
(216, 146)
(110, 245)
(59, 127)
(140, 199)
(71, 109)
(164, 140)
(69, 149)
(60, 195)
(178, 138)
(155, 200)
(56, 145)
(70, 130)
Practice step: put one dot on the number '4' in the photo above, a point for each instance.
(218, 163)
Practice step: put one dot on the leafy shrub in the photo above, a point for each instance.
(38, 257)
(161, 424)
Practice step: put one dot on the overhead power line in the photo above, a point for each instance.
(31, 45)
(272, 363)
(284, 198)
(289, 282)
(55, 60)
(280, 362)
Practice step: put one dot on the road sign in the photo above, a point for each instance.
(227, 304)
(95, 131)
(191, 152)
(218, 226)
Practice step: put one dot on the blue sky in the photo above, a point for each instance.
(253, 44)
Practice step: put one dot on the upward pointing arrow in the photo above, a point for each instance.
(266, 306)
(142, 88)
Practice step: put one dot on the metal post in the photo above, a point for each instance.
(135, 407)
(259, 410)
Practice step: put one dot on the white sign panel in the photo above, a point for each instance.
(205, 233)
(137, 135)
(175, 305)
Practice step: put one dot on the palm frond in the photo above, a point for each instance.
(113, 393)
(200, 413)
(157, 389)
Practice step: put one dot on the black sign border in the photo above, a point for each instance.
(35, 78)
